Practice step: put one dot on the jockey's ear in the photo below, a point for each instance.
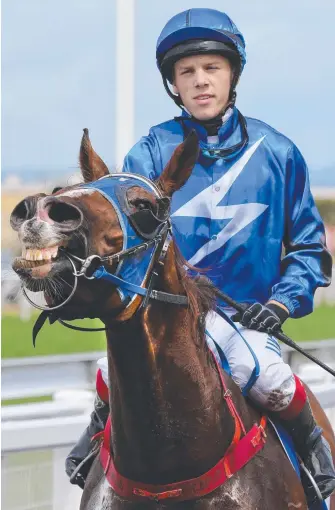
(180, 166)
(91, 165)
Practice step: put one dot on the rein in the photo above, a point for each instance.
(100, 273)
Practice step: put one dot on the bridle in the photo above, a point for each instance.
(93, 267)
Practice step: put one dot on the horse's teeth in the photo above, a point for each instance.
(43, 254)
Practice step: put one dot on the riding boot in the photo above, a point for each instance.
(81, 457)
(314, 451)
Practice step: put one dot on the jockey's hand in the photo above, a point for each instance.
(264, 318)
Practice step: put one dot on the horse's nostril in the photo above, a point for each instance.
(21, 210)
(21, 213)
(60, 212)
(64, 214)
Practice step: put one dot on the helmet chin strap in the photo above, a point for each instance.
(175, 97)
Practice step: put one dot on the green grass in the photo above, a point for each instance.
(56, 339)
(52, 339)
(26, 400)
(319, 325)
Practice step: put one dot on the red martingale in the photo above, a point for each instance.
(239, 453)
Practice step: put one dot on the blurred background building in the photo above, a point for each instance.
(91, 63)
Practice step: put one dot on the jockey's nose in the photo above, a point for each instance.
(200, 78)
(60, 214)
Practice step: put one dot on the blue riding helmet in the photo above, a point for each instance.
(197, 31)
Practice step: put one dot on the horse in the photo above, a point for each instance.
(176, 419)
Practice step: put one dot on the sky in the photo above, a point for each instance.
(58, 73)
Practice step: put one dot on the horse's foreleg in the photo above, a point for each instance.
(328, 432)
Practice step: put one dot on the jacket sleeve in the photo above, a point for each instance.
(307, 263)
(144, 158)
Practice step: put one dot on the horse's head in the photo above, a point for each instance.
(107, 215)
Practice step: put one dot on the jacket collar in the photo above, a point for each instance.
(230, 123)
(229, 134)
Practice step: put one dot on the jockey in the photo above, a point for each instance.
(247, 197)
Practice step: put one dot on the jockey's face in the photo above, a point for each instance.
(203, 83)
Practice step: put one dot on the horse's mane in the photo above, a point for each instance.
(199, 290)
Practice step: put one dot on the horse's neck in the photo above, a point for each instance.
(169, 421)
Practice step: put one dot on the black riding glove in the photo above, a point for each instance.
(264, 318)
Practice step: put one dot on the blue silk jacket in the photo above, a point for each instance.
(237, 212)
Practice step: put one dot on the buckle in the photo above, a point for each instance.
(263, 433)
(260, 436)
(87, 267)
(157, 496)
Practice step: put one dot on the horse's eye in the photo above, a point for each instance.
(141, 204)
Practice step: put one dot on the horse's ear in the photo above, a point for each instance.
(180, 166)
(92, 166)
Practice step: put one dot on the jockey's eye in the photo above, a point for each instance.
(141, 204)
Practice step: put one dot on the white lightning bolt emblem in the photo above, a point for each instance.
(201, 206)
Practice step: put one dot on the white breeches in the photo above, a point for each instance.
(274, 389)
